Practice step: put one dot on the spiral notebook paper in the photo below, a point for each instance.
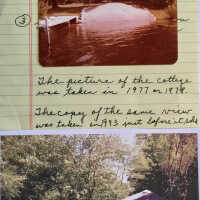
(126, 64)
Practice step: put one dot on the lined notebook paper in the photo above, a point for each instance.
(127, 96)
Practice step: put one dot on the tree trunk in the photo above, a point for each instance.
(53, 3)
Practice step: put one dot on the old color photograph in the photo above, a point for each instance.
(107, 32)
(100, 167)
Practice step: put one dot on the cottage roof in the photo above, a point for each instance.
(144, 195)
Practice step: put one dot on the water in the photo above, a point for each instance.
(111, 34)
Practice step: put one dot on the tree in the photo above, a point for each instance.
(170, 162)
(78, 167)
(155, 4)
(11, 176)
(53, 3)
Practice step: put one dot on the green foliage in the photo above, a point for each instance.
(172, 166)
(11, 185)
(78, 167)
(93, 167)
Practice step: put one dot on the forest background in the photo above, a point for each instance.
(96, 167)
(162, 9)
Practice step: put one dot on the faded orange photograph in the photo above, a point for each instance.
(107, 32)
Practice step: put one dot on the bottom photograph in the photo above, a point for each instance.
(99, 167)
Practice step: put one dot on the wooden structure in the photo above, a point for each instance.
(144, 195)
(59, 20)
(53, 24)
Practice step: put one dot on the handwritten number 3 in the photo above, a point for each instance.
(23, 20)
